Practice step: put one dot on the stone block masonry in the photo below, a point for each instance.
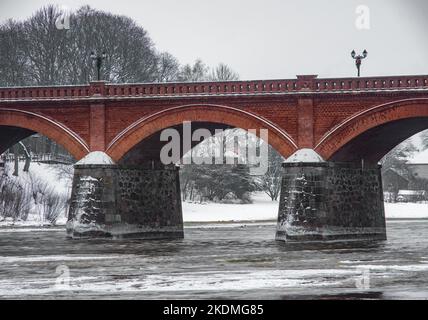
(117, 201)
(331, 201)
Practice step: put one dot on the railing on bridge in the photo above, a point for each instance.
(45, 92)
(301, 84)
(40, 158)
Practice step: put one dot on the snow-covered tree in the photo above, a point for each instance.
(270, 182)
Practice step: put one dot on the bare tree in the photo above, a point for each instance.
(131, 56)
(15, 199)
(53, 206)
(13, 63)
(223, 73)
(270, 182)
(45, 47)
(168, 68)
(36, 52)
(192, 73)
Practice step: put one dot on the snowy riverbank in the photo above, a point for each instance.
(406, 210)
(263, 209)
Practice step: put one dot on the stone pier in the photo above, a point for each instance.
(331, 201)
(117, 201)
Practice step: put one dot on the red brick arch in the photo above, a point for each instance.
(375, 117)
(47, 127)
(147, 126)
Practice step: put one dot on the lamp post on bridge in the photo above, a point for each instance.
(358, 59)
(99, 61)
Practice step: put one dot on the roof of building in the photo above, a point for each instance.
(402, 173)
(419, 158)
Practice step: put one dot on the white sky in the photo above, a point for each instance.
(274, 38)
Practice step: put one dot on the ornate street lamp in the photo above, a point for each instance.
(358, 59)
(99, 61)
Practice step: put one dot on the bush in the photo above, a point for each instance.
(53, 205)
(15, 200)
(47, 201)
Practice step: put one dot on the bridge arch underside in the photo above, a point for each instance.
(141, 141)
(149, 149)
(372, 145)
(16, 125)
(371, 134)
(9, 136)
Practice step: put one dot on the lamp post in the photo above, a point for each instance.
(358, 59)
(99, 61)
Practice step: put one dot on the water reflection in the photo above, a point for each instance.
(354, 246)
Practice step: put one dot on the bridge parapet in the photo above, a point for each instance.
(47, 92)
(307, 83)
(302, 84)
(372, 83)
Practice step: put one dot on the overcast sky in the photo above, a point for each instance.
(274, 38)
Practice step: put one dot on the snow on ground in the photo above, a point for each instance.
(262, 208)
(406, 210)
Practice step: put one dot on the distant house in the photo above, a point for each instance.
(418, 165)
(394, 180)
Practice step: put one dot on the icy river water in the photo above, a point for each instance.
(214, 261)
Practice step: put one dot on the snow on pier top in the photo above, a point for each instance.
(96, 157)
(305, 155)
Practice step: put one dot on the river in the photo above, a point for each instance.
(214, 261)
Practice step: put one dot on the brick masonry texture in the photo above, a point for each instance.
(327, 115)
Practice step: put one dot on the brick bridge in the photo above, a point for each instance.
(344, 120)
